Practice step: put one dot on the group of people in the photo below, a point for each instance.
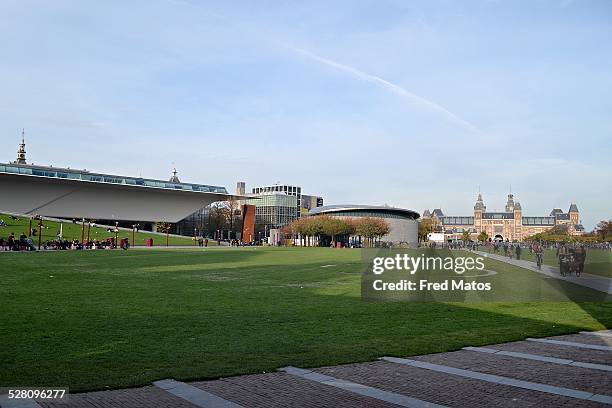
(571, 258)
(511, 250)
(202, 242)
(23, 243)
(75, 244)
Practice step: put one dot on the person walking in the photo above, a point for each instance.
(580, 254)
(518, 252)
(562, 254)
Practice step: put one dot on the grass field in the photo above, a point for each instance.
(73, 231)
(598, 262)
(107, 319)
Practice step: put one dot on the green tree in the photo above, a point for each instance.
(425, 227)
(164, 227)
(371, 228)
(604, 230)
(334, 227)
(483, 236)
(465, 236)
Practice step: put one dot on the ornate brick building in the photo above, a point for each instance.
(509, 225)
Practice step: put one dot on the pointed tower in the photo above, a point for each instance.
(574, 214)
(174, 178)
(479, 209)
(518, 221)
(479, 204)
(21, 153)
(510, 203)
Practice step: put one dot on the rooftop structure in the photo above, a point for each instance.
(68, 193)
(365, 211)
(86, 176)
(403, 224)
(21, 153)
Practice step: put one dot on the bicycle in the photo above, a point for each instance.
(539, 260)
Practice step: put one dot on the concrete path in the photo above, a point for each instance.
(551, 373)
(599, 283)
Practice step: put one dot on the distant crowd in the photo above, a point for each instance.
(12, 243)
(25, 243)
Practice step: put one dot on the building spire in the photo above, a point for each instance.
(21, 153)
(510, 203)
(174, 178)
(479, 206)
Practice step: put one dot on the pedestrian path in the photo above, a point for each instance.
(571, 370)
(599, 283)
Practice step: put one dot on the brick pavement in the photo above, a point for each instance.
(281, 389)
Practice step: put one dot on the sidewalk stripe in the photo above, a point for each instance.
(497, 379)
(572, 344)
(194, 395)
(391, 397)
(6, 402)
(600, 333)
(537, 357)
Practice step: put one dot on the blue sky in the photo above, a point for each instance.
(412, 104)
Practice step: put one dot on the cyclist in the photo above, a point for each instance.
(539, 253)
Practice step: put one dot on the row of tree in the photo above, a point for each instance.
(312, 229)
(560, 233)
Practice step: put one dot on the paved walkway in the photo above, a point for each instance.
(563, 371)
(599, 283)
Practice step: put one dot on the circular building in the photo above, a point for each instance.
(403, 224)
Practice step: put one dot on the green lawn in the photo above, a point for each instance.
(107, 319)
(73, 231)
(598, 262)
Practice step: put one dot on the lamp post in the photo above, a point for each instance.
(83, 232)
(40, 225)
(116, 233)
(133, 234)
(88, 230)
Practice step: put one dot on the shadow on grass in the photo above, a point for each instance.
(90, 330)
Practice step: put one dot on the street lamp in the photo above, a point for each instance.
(40, 225)
(83, 232)
(116, 233)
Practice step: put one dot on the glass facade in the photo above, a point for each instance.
(68, 174)
(273, 210)
(457, 220)
(283, 189)
(538, 220)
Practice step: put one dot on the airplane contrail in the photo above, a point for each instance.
(418, 100)
(388, 85)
